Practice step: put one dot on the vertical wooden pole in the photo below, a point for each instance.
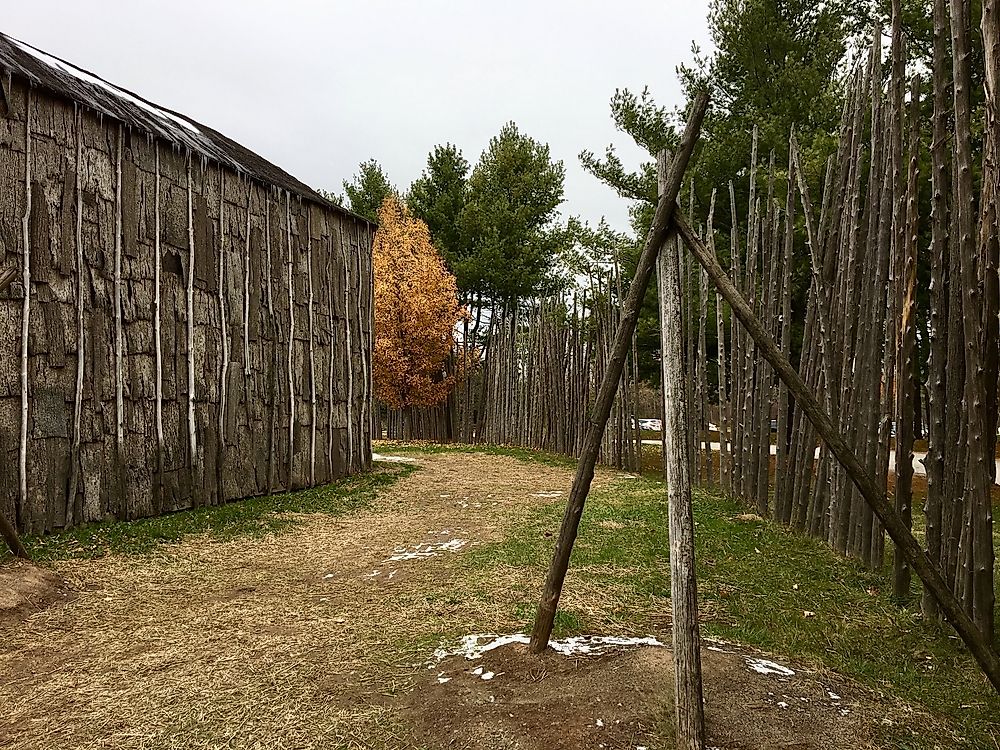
(74, 471)
(291, 342)
(119, 328)
(690, 712)
(223, 403)
(937, 364)
(25, 307)
(192, 426)
(906, 380)
(312, 353)
(246, 287)
(157, 336)
(349, 366)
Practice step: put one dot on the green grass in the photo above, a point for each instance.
(759, 580)
(254, 516)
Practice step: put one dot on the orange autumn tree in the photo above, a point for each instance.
(416, 309)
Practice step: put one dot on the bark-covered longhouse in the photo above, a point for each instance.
(189, 324)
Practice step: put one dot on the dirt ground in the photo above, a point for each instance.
(324, 637)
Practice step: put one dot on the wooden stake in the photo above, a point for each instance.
(690, 712)
(609, 385)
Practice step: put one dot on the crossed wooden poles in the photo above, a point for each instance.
(668, 224)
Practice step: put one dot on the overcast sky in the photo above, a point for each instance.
(318, 87)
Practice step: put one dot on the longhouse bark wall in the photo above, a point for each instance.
(145, 270)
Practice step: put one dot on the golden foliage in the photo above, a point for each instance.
(416, 309)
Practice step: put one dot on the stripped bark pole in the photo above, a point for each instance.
(690, 710)
(915, 556)
(25, 308)
(74, 467)
(290, 373)
(349, 363)
(246, 287)
(192, 426)
(224, 331)
(157, 334)
(331, 328)
(272, 385)
(312, 353)
(609, 385)
(119, 327)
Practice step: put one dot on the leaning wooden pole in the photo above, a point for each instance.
(913, 553)
(612, 377)
(690, 710)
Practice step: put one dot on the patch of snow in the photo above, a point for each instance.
(474, 646)
(424, 550)
(782, 704)
(763, 666)
(393, 459)
(833, 695)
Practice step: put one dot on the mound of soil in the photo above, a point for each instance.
(27, 588)
(624, 701)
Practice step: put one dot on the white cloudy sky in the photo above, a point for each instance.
(319, 86)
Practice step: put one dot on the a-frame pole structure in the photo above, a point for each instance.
(598, 421)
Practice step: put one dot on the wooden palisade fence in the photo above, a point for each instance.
(862, 242)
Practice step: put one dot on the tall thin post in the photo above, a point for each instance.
(690, 711)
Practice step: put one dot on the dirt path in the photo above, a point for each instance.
(323, 637)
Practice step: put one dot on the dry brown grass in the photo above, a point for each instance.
(275, 642)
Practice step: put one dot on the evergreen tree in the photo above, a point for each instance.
(368, 190)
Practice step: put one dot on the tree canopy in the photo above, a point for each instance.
(510, 219)
(368, 190)
(438, 197)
